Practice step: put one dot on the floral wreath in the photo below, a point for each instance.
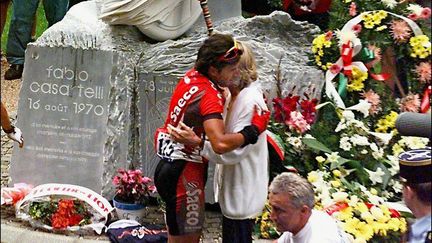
(352, 74)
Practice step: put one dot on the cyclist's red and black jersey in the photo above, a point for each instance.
(181, 174)
(194, 100)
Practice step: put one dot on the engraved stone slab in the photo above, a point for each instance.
(153, 102)
(63, 112)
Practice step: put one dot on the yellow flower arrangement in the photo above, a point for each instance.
(421, 46)
(374, 18)
(407, 143)
(318, 45)
(356, 82)
(386, 123)
(365, 221)
(264, 227)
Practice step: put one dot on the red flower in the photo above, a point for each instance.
(308, 110)
(336, 208)
(65, 215)
(394, 213)
(277, 107)
(59, 222)
(75, 219)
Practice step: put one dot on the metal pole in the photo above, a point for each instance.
(207, 18)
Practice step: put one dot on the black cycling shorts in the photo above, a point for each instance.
(181, 185)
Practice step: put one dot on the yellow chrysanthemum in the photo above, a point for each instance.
(336, 183)
(265, 215)
(382, 14)
(350, 225)
(380, 228)
(376, 19)
(397, 149)
(387, 122)
(385, 210)
(365, 231)
(369, 24)
(393, 224)
(420, 46)
(318, 45)
(368, 217)
(355, 85)
(402, 225)
(367, 17)
(361, 207)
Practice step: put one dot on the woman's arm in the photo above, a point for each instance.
(5, 121)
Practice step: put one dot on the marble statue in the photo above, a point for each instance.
(159, 20)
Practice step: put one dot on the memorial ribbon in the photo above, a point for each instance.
(347, 55)
(425, 103)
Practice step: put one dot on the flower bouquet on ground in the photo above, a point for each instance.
(132, 194)
(64, 207)
(61, 213)
(132, 187)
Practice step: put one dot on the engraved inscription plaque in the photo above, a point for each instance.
(154, 94)
(63, 112)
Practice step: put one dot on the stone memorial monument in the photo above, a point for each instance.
(63, 109)
(138, 77)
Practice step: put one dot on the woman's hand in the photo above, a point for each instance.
(184, 134)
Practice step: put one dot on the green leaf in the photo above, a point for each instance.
(338, 163)
(377, 67)
(348, 185)
(362, 175)
(315, 144)
(386, 176)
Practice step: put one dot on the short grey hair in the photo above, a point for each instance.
(298, 189)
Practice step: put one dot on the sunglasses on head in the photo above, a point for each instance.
(230, 55)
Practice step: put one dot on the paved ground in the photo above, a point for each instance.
(15, 231)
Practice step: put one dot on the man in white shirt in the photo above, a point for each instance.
(292, 199)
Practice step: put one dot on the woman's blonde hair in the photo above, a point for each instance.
(247, 65)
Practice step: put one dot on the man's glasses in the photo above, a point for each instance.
(231, 55)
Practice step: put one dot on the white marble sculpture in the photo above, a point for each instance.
(158, 19)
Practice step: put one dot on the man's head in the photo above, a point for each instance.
(218, 59)
(415, 173)
(292, 199)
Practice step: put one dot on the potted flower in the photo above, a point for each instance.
(131, 193)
